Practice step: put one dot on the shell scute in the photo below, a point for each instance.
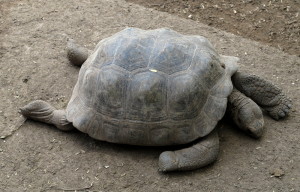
(172, 56)
(134, 135)
(187, 95)
(134, 53)
(207, 66)
(109, 96)
(112, 131)
(160, 135)
(184, 133)
(147, 97)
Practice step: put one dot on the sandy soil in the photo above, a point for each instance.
(274, 22)
(38, 157)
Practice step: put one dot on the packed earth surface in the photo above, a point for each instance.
(33, 65)
(274, 22)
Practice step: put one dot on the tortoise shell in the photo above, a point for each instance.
(150, 87)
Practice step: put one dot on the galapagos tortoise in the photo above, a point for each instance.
(157, 88)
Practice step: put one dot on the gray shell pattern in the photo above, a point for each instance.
(150, 87)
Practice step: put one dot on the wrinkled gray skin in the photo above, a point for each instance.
(187, 112)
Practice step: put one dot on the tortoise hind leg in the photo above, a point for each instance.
(42, 111)
(77, 54)
(199, 155)
(264, 93)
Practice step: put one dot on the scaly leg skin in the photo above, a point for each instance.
(77, 54)
(42, 111)
(264, 93)
(197, 156)
(245, 113)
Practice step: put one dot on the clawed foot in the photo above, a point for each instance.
(280, 110)
(199, 155)
(77, 54)
(42, 111)
(38, 110)
(264, 93)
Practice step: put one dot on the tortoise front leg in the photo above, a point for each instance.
(264, 93)
(77, 54)
(42, 111)
(199, 155)
(245, 113)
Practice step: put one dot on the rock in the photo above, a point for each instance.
(277, 172)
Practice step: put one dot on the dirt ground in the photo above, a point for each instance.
(274, 22)
(38, 157)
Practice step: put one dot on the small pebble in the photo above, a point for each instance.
(277, 172)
